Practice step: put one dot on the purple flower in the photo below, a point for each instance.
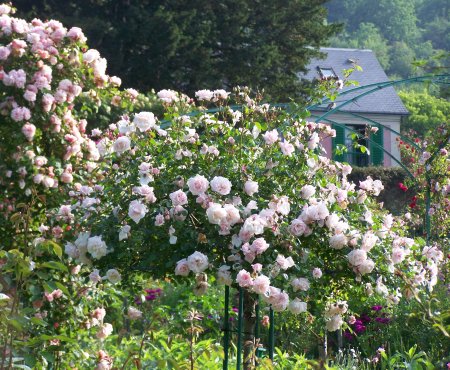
(383, 320)
(359, 329)
(377, 308)
(235, 309)
(348, 335)
(365, 319)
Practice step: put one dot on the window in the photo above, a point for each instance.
(327, 73)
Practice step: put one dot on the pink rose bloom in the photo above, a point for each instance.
(159, 220)
(233, 215)
(300, 284)
(4, 52)
(368, 242)
(298, 228)
(286, 148)
(197, 262)
(338, 241)
(104, 331)
(251, 187)
(76, 34)
(66, 177)
(308, 191)
(261, 284)
(137, 210)
(398, 255)
(244, 279)
(257, 267)
(270, 137)
(99, 314)
(221, 185)
(366, 267)
(198, 184)
(122, 144)
(317, 273)
(259, 246)
(167, 96)
(351, 320)
(178, 198)
(134, 313)
(284, 262)
(280, 301)
(29, 130)
(216, 213)
(144, 121)
(95, 277)
(357, 257)
(297, 306)
(204, 95)
(182, 268)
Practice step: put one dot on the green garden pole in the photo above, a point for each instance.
(226, 328)
(258, 352)
(271, 334)
(239, 333)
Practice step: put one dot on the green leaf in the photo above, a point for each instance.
(55, 266)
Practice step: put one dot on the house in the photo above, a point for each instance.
(382, 107)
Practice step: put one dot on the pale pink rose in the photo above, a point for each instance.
(198, 184)
(29, 130)
(334, 323)
(159, 220)
(317, 273)
(286, 148)
(261, 284)
(251, 187)
(66, 177)
(368, 242)
(307, 191)
(95, 277)
(233, 215)
(204, 95)
(216, 213)
(104, 331)
(133, 313)
(144, 121)
(197, 262)
(366, 267)
(357, 257)
(398, 255)
(99, 313)
(75, 270)
(122, 144)
(220, 95)
(178, 213)
(48, 182)
(137, 210)
(284, 262)
(167, 96)
(270, 137)
(298, 228)
(279, 301)
(90, 56)
(300, 284)
(29, 96)
(244, 279)
(297, 306)
(178, 198)
(351, 320)
(76, 34)
(97, 247)
(221, 185)
(4, 52)
(338, 241)
(259, 246)
(257, 267)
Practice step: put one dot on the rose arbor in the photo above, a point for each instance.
(244, 197)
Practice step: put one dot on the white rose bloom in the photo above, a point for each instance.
(97, 247)
(334, 323)
(297, 306)
(124, 232)
(221, 185)
(144, 121)
(134, 313)
(137, 210)
(167, 96)
(122, 144)
(206, 95)
(82, 240)
(113, 276)
(182, 268)
(224, 275)
(197, 262)
(126, 127)
(366, 267)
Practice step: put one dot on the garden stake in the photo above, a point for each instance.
(226, 328)
(271, 334)
(258, 352)
(239, 339)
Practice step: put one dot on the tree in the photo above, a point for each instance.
(191, 45)
(426, 111)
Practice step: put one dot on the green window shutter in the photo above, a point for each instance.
(339, 139)
(377, 153)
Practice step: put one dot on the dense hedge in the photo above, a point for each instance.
(395, 199)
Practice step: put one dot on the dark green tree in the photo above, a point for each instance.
(189, 45)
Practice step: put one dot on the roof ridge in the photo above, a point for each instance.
(346, 49)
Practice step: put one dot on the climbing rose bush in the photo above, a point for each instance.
(245, 194)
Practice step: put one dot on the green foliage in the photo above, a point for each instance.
(426, 111)
(398, 31)
(192, 45)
